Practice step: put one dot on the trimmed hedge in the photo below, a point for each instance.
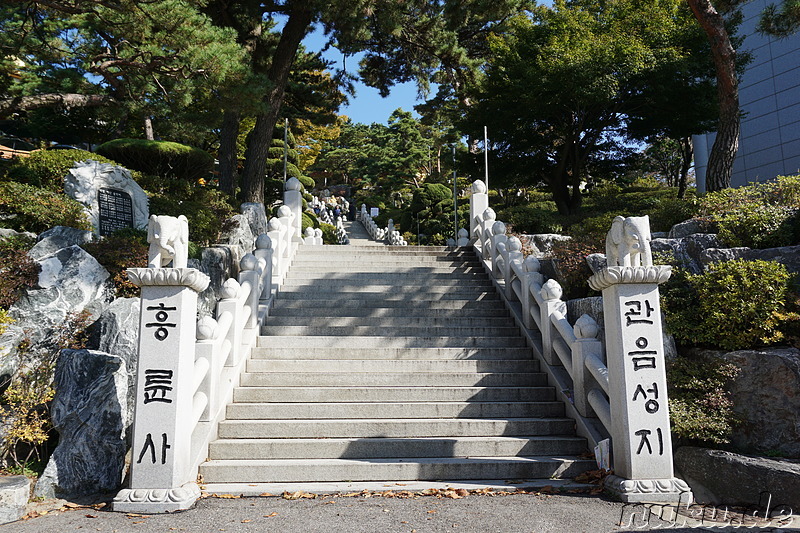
(47, 168)
(27, 208)
(160, 158)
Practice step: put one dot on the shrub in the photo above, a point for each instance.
(328, 234)
(122, 250)
(161, 158)
(47, 168)
(28, 208)
(734, 305)
(18, 272)
(759, 215)
(700, 408)
(541, 217)
(570, 259)
(207, 210)
(309, 221)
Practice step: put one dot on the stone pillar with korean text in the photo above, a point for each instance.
(640, 432)
(160, 474)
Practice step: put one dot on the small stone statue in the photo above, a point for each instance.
(628, 242)
(169, 241)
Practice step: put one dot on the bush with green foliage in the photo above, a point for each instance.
(160, 158)
(28, 208)
(328, 233)
(734, 305)
(47, 168)
(117, 252)
(309, 221)
(540, 217)
(700, 408)
(760, 215)
(18, 272)
(574, 272)
(208, 209)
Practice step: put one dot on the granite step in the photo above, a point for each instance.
(392, 365)
(400, 379)
(348, 448)
(433, 393)
(378, 342)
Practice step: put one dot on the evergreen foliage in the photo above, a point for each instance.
(160, 158)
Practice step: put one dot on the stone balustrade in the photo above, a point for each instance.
(389, 234)
(188, 369)
(615, 387)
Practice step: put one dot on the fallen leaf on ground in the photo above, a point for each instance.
(270, 515)
(266, 494)
(246, 521)
(226, 496)
(91, 516)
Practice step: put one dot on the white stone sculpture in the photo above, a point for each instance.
(169, 241)
(478, 187)
(628, 242)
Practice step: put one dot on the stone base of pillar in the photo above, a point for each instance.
(156, 500)
(671, 490)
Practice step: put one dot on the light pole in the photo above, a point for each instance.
(455, 198)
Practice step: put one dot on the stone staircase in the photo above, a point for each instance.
(391, 363)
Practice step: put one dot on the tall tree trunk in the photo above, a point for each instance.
(723, 153)
(278, 75)
(148, 128)
(687, 152)
(227, 151)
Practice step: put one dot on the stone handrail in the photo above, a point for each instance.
(388, 235)
(616, 387)
(188, 369)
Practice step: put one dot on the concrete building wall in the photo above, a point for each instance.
(769, 96)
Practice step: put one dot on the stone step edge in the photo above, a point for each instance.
(332, 488)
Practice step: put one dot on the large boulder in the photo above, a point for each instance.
(687, 250)
(71, 281)
(541, 244)
(116, 332)
(239, 233)
(786, 255)
(256, 216)
(89, 412)
(54, 239)
(720, 477)
(689, 227)
(219, 262)
(14, 494)
(766, 397)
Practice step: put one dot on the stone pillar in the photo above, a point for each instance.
(478, 203)
(293, 199)
(640, 432)
(160, 473)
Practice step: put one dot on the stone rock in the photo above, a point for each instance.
(766, 395)
(596, 262)
(85, 179)
(8, 232)
(256, 216)
(89, 412)
(687, 250)
(220, 263)
(721, 477)
(541, 244)
(14, 494)
(116, 332)
(57, 238)
(238, 233)
(71, 281)
(689, 227)
(786, 255)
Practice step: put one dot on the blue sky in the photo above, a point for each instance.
(367, 106)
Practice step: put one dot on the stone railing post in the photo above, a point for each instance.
(264, 251)
(640, 432)
(586, 343)
(293, 199)
(513, 253)
(530, 267)
(551, 295)
(160, 471)
(478, 203)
